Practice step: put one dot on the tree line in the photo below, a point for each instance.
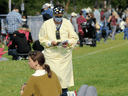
(33, 6)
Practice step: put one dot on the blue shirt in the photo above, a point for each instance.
(84, 13)
(48, 11)
(126, 30)
(97, 15)
(14, 21)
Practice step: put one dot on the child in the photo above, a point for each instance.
(125, 32)
(22, 88)
(1, 53)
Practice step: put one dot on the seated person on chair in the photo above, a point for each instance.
(19, 40)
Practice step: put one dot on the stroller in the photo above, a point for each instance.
(89, 33)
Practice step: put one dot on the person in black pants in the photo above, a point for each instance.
(25, 29)
(18, 40)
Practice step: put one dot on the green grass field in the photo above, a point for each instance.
(104, 67)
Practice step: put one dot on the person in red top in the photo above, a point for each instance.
(80, 20)
(113, 19)
(101, 13)
(2, 53)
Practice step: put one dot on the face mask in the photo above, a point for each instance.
(58, 19)
(109, 11)
(24, 20)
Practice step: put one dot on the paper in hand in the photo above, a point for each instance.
(63, 43)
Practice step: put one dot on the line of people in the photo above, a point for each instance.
(107, 23)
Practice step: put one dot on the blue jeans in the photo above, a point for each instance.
(13, 52)
(113, 32)
(125, 35)
(97, 36)
(64, 92)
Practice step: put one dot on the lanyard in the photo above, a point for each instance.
(58, 32)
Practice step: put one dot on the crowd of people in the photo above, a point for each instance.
(53, 69)
(18, 36)
(107, 23)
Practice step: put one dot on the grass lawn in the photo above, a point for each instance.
(104, 66)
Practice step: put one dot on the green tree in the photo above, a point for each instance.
(32, 6)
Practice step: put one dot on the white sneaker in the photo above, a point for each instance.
(27, 58)
(20, 58)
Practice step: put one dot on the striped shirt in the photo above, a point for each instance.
(14, 21)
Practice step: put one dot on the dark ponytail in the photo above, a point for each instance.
(37, 55)
(47, 68)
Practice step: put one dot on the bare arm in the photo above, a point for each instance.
(127, 17)
(109, 18)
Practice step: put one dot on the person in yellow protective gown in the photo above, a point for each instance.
(52, 32)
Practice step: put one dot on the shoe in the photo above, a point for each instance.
(14, 58)
(27, 58)
(20, 58)
(81, 46)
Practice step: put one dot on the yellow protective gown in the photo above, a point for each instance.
(61, 64)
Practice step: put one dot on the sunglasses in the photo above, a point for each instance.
(58, 16)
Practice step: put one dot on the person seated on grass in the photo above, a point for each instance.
(44, 82)
(2, 52)
(19, 46)
(37, 46)
(25, 29)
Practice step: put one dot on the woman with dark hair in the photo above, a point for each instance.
(90, 31)
(24, 19)
(44, 81)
